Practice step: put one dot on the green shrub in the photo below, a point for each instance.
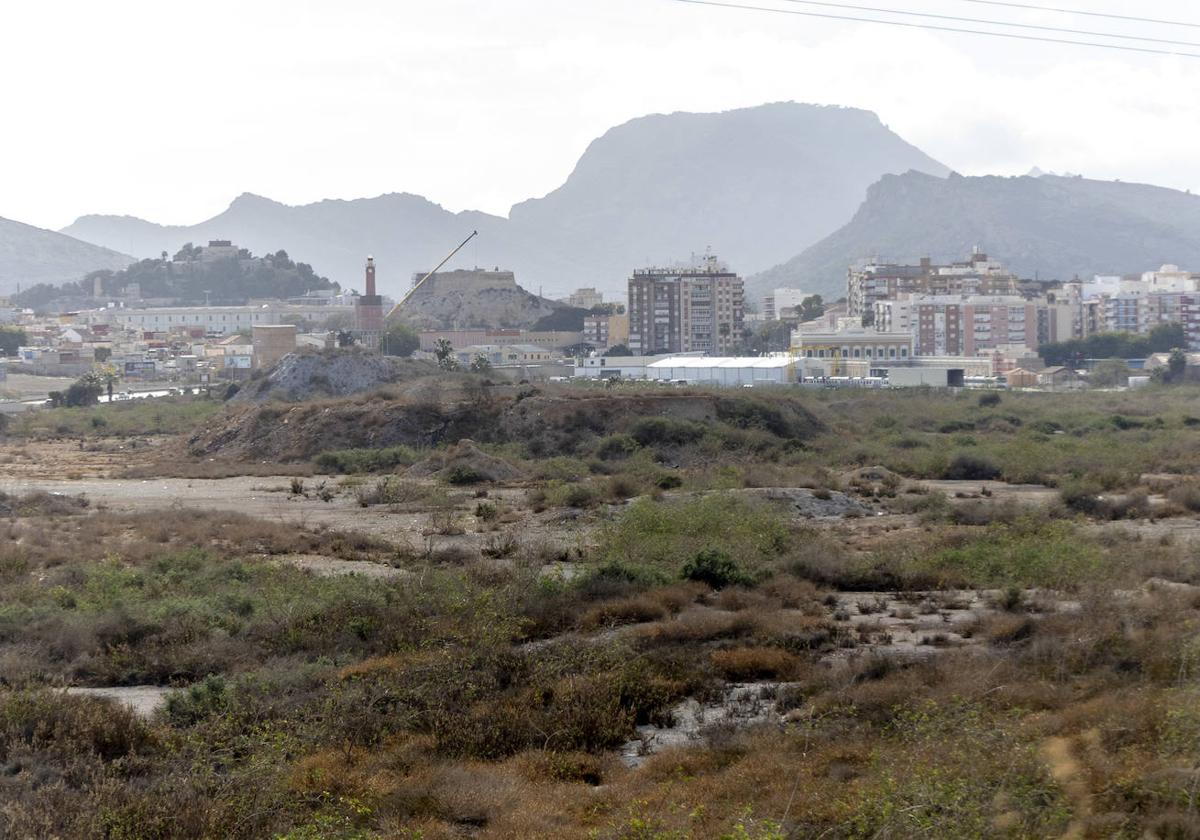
(208, 697)
(666, 534)
(989, 400)
(623, 487)
(616, 447)
(564, 494)
(1030, 552)
(356, 461)
(561, 469)
(392, 490)
(461, 474)
(781, 420)
(716, 568)
(968, 467)
(662, 431)
(620, 571)
(668, 481)
(1081, 496)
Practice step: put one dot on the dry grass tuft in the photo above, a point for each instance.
(747, 664)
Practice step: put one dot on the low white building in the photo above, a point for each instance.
(613, 367)
(222, 320)
(696, 369)
(727, 371)
(504, 354)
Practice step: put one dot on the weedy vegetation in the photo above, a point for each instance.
(900, 645)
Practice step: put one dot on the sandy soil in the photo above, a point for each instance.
(323, 566)
(997, 491)
(553, 533)
(23, 386)
(70, 460)
(144, 700)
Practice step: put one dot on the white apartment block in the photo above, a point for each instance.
(781, 299)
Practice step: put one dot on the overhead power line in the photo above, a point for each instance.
(1108, 15)
(935, 28)
(987, 22)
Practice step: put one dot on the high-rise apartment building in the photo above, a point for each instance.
(867, 284)
(683, 311)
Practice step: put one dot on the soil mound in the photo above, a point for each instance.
(329, 373)
(444, 410)
(464, 463)
(476, 299)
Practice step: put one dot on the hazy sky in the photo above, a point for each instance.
(167, 110)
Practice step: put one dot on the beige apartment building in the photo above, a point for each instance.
(686, 310)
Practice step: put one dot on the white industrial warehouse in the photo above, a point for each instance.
(725, 371)
(754, 371)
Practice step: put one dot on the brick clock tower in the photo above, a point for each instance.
(368, 312)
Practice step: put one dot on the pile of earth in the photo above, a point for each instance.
(428, 413)
(330, 373)
(479, 300)
(464, 463)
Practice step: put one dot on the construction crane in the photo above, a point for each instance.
(417, 285)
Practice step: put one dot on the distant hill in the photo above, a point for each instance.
(465, 299)
(189, 278)
(30, 255)
(405, 233)
(751, 183)
(1052, 226)
(757, 184)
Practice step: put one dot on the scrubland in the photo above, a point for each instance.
(783, 616)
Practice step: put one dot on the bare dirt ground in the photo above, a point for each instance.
(23, 386)
(144, 700)
(71, 460)
(997, 491)
(62, 468)
(92, 470)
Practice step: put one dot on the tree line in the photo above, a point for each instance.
(1114, 345)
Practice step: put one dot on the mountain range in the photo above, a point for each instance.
(757, 184)
(786, 194)
(30, 255)
(1048, 225)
